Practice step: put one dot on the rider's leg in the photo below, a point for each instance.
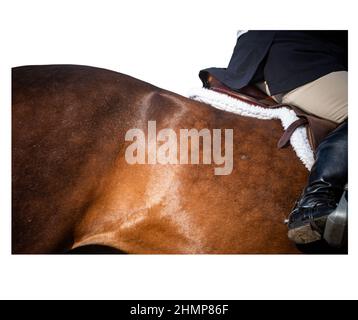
(325, 186)
(326, 97)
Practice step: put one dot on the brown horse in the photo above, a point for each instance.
(71, 185)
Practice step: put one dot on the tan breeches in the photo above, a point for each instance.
(326, 97)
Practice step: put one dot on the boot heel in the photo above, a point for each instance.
(304, 234)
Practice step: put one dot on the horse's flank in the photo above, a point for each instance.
(71, 185)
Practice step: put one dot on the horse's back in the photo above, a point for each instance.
(73, 187)
(66, 124)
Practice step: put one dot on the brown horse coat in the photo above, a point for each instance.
(71, 185)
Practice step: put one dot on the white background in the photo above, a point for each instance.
(165, 43)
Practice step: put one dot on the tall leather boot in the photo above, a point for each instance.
(326, 184)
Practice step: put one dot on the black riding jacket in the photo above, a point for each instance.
(285, 59)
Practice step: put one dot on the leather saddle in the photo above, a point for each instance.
(317, 128)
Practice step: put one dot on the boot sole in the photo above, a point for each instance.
(304, 234)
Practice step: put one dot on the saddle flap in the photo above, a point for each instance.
(317, 128)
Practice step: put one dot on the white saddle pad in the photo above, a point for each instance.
(299, 140)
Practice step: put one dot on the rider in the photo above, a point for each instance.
(308, 69)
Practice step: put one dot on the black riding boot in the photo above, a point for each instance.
(326, 184)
